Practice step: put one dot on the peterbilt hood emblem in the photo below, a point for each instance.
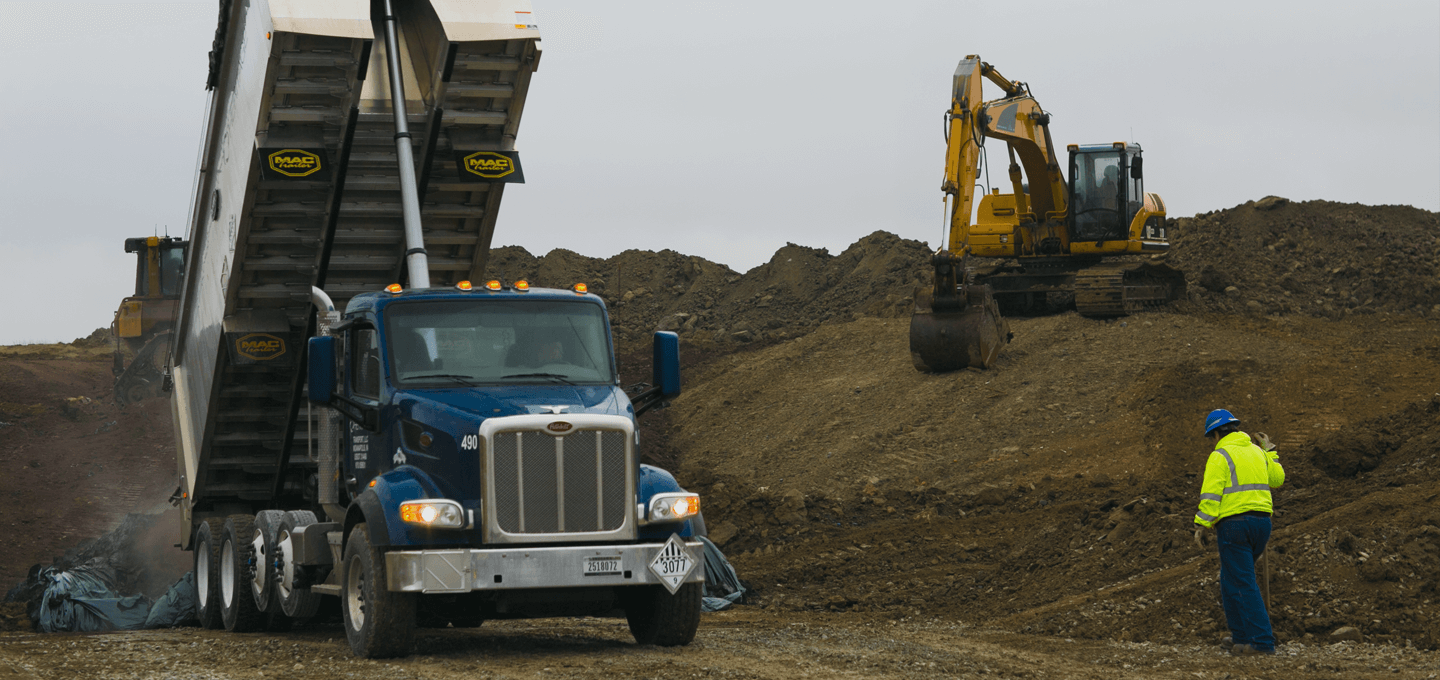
(559, 427)
(553, 410)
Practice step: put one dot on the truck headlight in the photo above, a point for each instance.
(433, 513)
(673, 507)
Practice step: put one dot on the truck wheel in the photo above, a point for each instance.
(237, 606)
(378, 623)
(207, 572)
(297, 603)
(263, 584)
(658, 618)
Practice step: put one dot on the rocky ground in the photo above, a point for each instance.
(1028, 521)
(741, 644)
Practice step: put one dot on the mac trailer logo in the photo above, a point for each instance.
(294, 162)
(490, 166)
(260, 346)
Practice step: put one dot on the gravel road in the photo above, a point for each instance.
(745, 644)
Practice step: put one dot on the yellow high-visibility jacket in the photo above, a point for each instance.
(1238, 478)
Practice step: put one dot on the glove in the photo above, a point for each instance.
(1202, 537)
(1264, 440)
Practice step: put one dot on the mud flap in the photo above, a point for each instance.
(964, 331)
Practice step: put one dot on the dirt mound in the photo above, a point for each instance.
(708, 303)
(75, 462)
(1275, 256)
(1056, 493)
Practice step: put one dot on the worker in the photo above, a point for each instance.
(1235, 506)
(1108, 193)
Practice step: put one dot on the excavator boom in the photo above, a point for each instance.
(1057, 247)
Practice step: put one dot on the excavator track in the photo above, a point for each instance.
(1124, 289)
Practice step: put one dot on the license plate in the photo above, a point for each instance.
(597, 566)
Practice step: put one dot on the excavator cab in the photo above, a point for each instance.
(144, 321)
(1105, 191)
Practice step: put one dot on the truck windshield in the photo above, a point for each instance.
(497, 342)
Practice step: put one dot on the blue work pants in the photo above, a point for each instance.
(1242, 540)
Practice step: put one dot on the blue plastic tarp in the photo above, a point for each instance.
(722, 585)
(81, 600)
(176, 607)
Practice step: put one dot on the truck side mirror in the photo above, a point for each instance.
(1135, 168)
(321, 371)
(667, 363)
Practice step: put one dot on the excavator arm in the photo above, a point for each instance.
(957, 324)
(1019, 121)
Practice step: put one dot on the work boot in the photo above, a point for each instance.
(1250, 650)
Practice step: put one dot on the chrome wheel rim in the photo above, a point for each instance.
(227, 573)
(285, 548)
(355, 593)
(202, 574)
(257, 550)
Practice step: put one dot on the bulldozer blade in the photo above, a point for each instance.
(967, 332)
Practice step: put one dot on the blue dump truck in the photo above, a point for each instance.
(431, 452)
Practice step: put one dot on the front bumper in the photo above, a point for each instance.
(462, 571)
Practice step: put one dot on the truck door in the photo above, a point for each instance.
(361, 448)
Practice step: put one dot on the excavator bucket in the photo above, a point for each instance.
(963, 331)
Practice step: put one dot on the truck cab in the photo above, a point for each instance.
(488, 457)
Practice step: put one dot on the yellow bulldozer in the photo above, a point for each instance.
(1050, 236)
(145, 321)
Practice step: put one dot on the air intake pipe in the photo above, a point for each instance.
(415, 258)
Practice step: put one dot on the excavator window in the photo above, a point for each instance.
(1098, 194)
(172, 268)
(1134, 191)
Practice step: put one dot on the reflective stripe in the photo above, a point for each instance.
(1234, 478)
(1205, 516)
(1248, 487)
(1209, 496)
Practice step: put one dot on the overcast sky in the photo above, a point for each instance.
(726, 129)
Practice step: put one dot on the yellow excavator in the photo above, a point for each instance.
(1054, 236)
(145, 321)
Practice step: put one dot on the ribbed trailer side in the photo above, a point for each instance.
(298, 187)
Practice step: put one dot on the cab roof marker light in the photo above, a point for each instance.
(522, 285)
(394, 289)
(464, 285)
(493, 284)
(581, 289)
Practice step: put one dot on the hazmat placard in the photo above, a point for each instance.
(673, 563)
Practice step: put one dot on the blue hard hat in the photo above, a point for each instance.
(1217, 418)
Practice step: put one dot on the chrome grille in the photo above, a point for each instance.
(544, 484)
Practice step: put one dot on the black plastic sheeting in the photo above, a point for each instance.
(176, 607)
(96, 586)
(722, 586)
(80, 600)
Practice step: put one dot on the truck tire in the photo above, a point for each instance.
(206, 546)
(237, 605)
(378, 623)
(658, 618)
(263, 586)
(297, 603)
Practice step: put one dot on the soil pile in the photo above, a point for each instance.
(710, 304)
(1274, 256)
(1056, 493)
(75, 463)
